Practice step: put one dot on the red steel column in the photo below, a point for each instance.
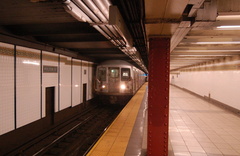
(158, 96)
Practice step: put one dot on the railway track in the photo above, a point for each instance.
(76, 137)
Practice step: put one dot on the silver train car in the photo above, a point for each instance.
(117, 81)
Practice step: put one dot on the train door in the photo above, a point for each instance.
(113, 80)
(126, 81)
(101, 78)
(50, 94)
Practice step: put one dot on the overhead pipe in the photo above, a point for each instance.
(96, 13)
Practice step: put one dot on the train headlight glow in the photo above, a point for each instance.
(123, 86)
(103, 86)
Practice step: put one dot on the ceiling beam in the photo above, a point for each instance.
(86, 45)
(84, 37)
(51, 29)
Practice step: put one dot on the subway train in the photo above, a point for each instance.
(117, 81)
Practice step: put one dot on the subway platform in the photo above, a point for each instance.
(196, 128)
(127, 134)
(199, 128)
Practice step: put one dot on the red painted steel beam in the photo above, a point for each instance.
(158, 96)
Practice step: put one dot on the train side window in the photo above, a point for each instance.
(101, 74)
(125, 74)
(114, 72)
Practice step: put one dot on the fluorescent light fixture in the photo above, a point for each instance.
(228, 17)
(224, 16)
(190, 57)
(228, 26)
(224, 42)
(202, 55)
(205, 50)
(72, 9)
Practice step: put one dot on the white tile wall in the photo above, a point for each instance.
(6, 88)
(28, 85)
(76, 82)
(222, 85)
(65, 82)
(49, 79)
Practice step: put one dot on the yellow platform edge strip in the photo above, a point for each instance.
(115, 139)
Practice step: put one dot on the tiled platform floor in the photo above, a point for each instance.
(114, 141)
(198, 128)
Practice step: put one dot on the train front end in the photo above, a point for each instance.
(114, 84)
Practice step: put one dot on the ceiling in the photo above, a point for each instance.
(192, 26)
(47, 22)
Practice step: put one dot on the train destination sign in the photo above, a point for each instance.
(50, 69)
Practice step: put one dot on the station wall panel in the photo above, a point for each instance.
(7, 110)
(28, 85)
(49, 78)
(218, 80)
(76, 82)
(25, 73)
(65, 82)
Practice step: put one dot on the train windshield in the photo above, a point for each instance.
(125, 74)
(114, 72)
(101, 74)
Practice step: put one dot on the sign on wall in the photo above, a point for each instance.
(50, 69)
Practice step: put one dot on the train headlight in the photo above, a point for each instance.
(103, 86)
(123, 86)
